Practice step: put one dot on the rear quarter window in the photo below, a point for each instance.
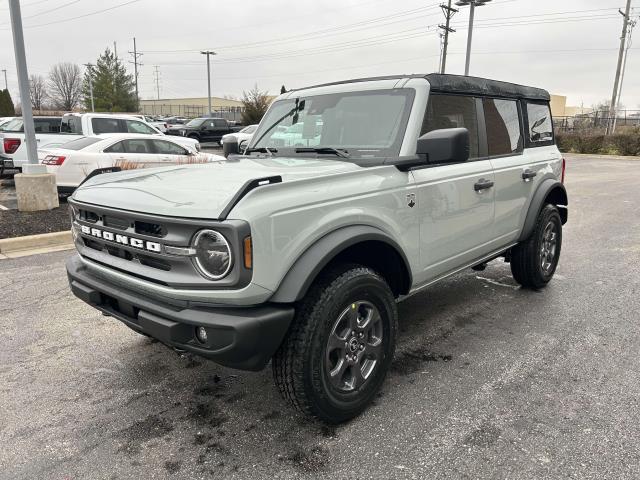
(539, 124)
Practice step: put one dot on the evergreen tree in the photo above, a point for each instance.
(6, 104)
(113, 86)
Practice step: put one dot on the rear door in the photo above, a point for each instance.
(134, 153)
(519, 172)
(169, 152)
(455, 201)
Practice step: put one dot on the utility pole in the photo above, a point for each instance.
(208, 53)
(115, 50)
(473, 4)
(6, 84)
(616, 83)
(449, 12)
(90, 69)
(156, 76)
(632, 24)
(136, 63)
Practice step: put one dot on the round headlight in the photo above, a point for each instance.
(213, 254)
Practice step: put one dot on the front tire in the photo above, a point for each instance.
(534, 261)
(340, 346)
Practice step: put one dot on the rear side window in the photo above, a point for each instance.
(115, 148)
(164, 147)
(503, 126)
(136, 146)
(453, 111)
(106, 125)
(540, 125)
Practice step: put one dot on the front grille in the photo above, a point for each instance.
(136, 244)
(115, 222)
(153, 229)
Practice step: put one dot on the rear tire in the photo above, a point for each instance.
(340, 345)
(534, 261)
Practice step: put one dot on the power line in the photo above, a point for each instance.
(324, 32)
(97, 12)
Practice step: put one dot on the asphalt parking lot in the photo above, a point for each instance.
(489, 381)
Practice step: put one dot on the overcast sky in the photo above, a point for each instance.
(569, 47)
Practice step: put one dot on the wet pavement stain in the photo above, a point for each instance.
(142, 431)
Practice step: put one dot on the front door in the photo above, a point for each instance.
(456, 202)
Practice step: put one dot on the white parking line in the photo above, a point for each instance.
(2, 207)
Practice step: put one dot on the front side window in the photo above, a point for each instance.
(453, 111)
(540, 125)
(164, 147)
(503, 126)
(134, 126)
(105, 125)
(364, 123)
(219, 123)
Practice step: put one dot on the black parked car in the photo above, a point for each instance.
(204, 129)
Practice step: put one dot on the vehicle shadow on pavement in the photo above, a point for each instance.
(211, 419)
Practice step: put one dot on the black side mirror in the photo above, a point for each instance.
(447, 145)
(230, 147)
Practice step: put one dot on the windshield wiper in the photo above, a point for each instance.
(269, 150)
(339, 152)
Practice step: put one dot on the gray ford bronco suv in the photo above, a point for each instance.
(297, 250)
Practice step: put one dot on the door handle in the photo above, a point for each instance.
(482, 184)
(528, 174)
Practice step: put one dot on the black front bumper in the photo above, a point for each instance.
(240, 337)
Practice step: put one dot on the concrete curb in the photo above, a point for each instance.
(36, 242)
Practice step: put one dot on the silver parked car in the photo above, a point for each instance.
(298, 252)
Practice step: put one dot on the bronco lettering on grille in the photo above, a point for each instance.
(121, 239)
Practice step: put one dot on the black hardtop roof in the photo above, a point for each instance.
(447, 83)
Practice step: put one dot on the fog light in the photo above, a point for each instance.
(201, 334)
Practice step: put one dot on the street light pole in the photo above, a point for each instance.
(208, 53)
(23, 84)
(35, 188)
(473, 4)
(6, 84)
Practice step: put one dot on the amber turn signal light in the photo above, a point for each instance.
(248, 253)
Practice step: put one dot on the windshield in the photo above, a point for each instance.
(196, 122)
(364, 124)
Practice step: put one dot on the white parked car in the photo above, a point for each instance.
(162, 126)
(13, 151)
(244, 136)
(75, 160)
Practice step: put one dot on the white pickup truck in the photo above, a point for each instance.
(13, 150)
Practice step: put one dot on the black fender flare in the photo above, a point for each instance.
(306, 268)
(549, 188)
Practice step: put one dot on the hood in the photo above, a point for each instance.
(197, 191)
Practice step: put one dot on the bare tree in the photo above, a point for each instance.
(65, 85)
(37, 91)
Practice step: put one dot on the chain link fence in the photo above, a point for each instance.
(597, 121)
